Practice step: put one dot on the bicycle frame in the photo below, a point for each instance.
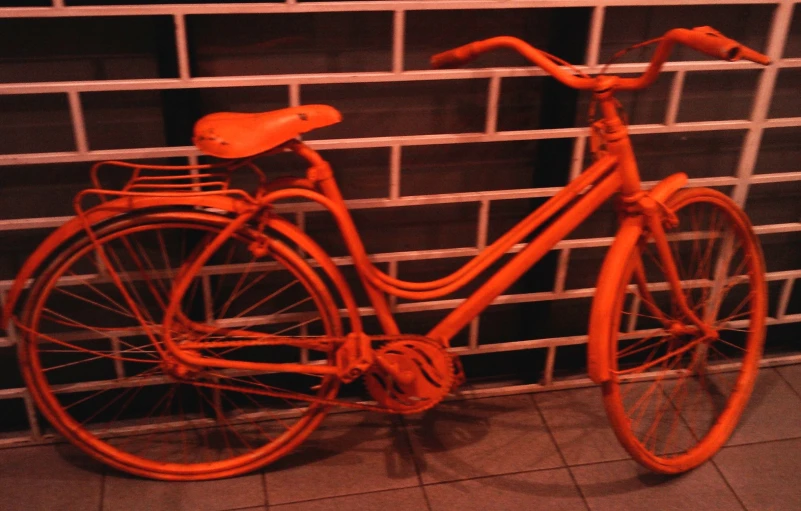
(178, 296)
(602, 179)
(614, 172)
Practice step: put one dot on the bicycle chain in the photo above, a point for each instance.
(298, 396)
(298, 342)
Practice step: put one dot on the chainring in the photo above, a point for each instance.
(431, 367)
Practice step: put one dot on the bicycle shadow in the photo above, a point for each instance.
(350, 444)
(463, 429)
(343, 440)
(445, 429)
(348, 439)
(79, 459)
(453, 440)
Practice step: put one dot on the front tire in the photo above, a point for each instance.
(673, 400)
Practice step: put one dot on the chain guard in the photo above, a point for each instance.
(429, 352)
(432, 376)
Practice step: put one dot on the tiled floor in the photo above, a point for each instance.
(548, 451)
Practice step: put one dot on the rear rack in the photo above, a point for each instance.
(167, 182)
(169, 179)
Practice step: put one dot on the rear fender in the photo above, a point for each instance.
(310, 247)
(98, 215)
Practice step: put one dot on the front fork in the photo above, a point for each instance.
(657, 215)
(613, 135)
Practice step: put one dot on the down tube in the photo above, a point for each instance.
(527, 257)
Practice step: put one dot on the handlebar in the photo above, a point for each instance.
(703, 39)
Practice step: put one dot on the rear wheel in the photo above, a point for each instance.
(93, 357)
(675, 396)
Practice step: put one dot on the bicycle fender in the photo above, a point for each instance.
(604, 319)
(668, 187)
(97, 215)
(308, 245)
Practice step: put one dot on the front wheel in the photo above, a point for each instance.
(675, 395)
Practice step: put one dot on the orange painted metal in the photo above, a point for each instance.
(488, 256)
(236, 135)
(410, 376)
(513, 270)
(704, 39)
(392, 368)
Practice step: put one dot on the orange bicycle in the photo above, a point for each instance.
(183, 329)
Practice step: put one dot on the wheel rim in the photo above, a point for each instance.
(80, 336)
(677, 397)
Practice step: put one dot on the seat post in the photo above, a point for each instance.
(319, 171)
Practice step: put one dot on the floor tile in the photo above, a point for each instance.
(480, 437)
(349, 453)
(553, 490)
(124, 493)
(49, 478)
(792, 374)
(407, 499)
(579, 424)
(492, 453)
(624, 485)
(773, 412)
(766, 476)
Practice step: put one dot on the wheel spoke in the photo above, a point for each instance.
(146, 411)
(662, 397)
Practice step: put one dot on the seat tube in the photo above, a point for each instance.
(320, 173)
(618, 143)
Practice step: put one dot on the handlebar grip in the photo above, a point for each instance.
(711, 42)
(455, 57)
(754, 56)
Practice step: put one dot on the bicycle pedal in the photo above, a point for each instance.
(354, 357)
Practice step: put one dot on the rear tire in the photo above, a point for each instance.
(104, 384)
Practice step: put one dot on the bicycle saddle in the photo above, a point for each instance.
(239, 135)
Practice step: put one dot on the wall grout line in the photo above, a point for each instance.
(182, 47)
(777, 38)
(78, 122)
(398, 40)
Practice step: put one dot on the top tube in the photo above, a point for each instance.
(704, 39)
